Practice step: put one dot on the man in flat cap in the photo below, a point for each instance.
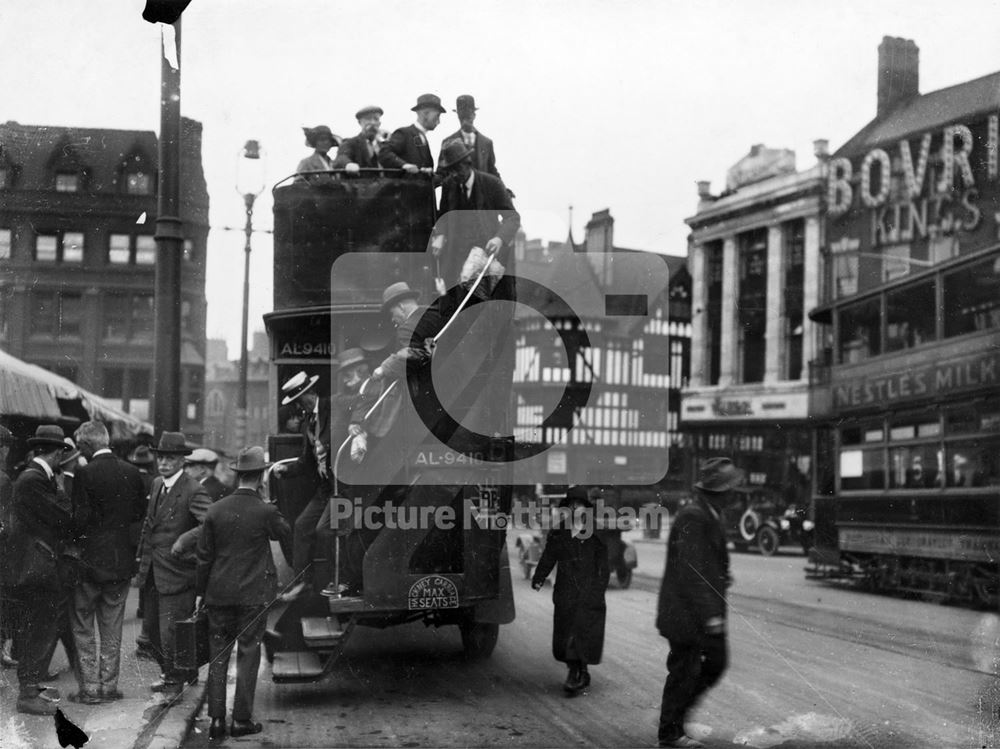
(361, 151)
(407, 148)
(483, 157)
(691, 612)
(200, 465)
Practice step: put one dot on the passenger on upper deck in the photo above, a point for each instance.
(483, 158)
(361, 151)
(322, 139)
(407, 148)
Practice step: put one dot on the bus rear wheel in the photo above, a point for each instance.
(478, 639)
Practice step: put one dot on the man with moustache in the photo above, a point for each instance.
(361, 151)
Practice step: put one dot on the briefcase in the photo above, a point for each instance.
(191, 641)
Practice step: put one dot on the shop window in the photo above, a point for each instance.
(972, 298)
(911, 316)
(860, 331)
(5, 244)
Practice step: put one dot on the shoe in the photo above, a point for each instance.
(585, 676)
(683, 741)
(167, 687)
(244, 728)
(111, 695)
(296, 591)
(218, 729)
(36, 706)
(574, 680)
(85, 698)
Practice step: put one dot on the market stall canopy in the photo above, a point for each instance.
(30, 391)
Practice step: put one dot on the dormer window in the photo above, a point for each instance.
(67, 182)
(136, 171)
(138, 183)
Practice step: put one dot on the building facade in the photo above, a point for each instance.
(222, 378)
(77, 259)
(754, 258)
(631, 367)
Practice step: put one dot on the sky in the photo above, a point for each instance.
(593, 104)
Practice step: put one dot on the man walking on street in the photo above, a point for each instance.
(177, 506)
(236, 579)
(691, 612)
(109, 503)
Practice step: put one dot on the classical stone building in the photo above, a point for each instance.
(77, 259)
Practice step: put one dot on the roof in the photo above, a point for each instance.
(29, 390)
(928, 111)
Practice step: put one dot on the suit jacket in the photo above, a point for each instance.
(355, 151)
(423, 323)
(235, 566)
(407, 145)
(176, 515)
(483, 158)
(307, 463)
(697, 574)
(42, 527)
(109, 503)
(215, 489)
(314, 162)
(495, 216)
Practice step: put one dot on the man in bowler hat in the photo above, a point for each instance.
(236, 579)
(177, 506)
(483, 157)
(407, 148)
(691, 612)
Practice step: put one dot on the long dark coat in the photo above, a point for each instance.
(41, 531)
(697, 574)
(580, 610)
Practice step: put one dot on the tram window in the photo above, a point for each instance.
(860, 331)
(910, 316)
(962, 420)
(874, 435)
(861, 469)
(972, 298)
(913, 427)
(972, 463)
(915, 467)
(856, 435)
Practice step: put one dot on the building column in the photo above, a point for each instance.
(812, 273)
(728, 365)
(775, 344)
(699, 318)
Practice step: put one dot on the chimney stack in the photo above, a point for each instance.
(821, 148)
(898, 73)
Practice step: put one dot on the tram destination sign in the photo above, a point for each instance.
(910, 383)
(965, 546)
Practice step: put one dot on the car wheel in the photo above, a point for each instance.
(767, 541)
(749, 523)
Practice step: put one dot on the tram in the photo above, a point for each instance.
(440, 450)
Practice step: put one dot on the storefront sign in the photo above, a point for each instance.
(934, 379)
(965, 546)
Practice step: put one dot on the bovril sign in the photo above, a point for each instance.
(433, 592)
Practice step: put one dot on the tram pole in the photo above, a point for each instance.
(169, 240)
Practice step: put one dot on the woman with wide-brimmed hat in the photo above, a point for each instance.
(321, 139)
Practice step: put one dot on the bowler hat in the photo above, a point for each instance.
(397, 292)
(718, 475)
(428, 100)
(50, 435)
(296, 385)
(454, 152)
(313, 133)
(349, 357)
(202, 456)
(172, 443)
(365, 111)
(465, 103)
(250, 459)
(141, 456)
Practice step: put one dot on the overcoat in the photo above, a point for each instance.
(40, 532)
(483, 157)
(178, 512)
(355, 151)
(407, 145)
(580, 609)
(694, 583)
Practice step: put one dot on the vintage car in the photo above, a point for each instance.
(760, 518)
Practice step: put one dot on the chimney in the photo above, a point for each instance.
(898, 73)
(600, 232)
(821, 149)
(704, 189)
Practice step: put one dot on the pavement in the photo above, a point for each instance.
(143, 720)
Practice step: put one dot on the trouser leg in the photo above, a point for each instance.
(304, 536)
(110, 618)
(81, 616)
(252, 622)
(37, 631)
(151, 618)
(680, 689)
(222, 622)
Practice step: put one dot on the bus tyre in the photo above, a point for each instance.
(749, 523)
(767, 541)
(478, 639)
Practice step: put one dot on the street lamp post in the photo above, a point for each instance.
(250, 184)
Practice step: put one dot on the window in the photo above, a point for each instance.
(67, 182)
(128, 317)
(713, 310)
(119, 249)
(752, 304)
(972, 298)
(59, 247)
(127, 249)
(189, 251)
(5, 244)
(911, 317)
(55, 315)
(795, 243)
(860, 331)
(138, 183)
(128, 388)
(145, 250)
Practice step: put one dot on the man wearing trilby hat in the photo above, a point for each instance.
(41, 532)
(236, 578)
(407, 148)
(177, 506)
(361, 151)
(691, 612)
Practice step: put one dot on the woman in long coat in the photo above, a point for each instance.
(578, 622)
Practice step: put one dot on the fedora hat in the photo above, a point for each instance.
(250, 459)
(454, 152)
(349, 357)
(717, 475)
(202, 456)
(365, 111)
(172, 443)
(313, 133)
(296, 385)
(465, 103)
(428, 100)
(49, 435)
(141, 456)
(397, 292)
(577, 495)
